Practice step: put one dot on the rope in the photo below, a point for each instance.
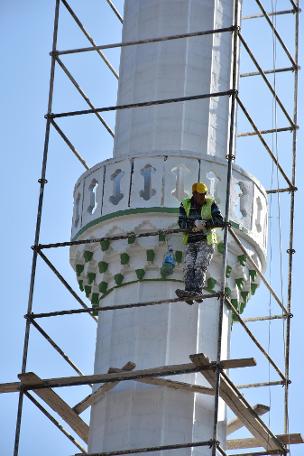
(278, 195)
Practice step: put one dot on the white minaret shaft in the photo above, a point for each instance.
(173, 69)
(159, 152)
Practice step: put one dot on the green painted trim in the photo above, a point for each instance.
(235, 303)
(124, 258)
(242, 260)
(87, 290)
(253, 288)
(242, 307)
(228, 291)
(220, 247)
(178, 256)
(234, 224)
(140, 273)
(79, 268)
(95, 299)
(132, 239)
(103, 287)
(245, 296)
(161, 237)
(228, 270)
(169, 210)
(240, 283)
(87, 255)
(252, 274)
(103, 266)
(118, 279)
(104, 244)
(143, 280)
(166, 270)
(211, 282)
(150, 254)
(91, 277)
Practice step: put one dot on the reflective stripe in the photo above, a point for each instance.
(206, 215)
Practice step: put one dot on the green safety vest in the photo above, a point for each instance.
(206, 215)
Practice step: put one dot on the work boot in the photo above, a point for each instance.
(184, 294)
(197, 294)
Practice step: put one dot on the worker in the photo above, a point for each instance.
(199, 215)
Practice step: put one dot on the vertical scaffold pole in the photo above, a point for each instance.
(42, 182)
(230, 158)
(291, 250)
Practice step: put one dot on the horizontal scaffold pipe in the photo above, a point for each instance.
(274, 70)
(118, 237)
(150, 449)
(261, 384)
(282, 190)
(58, 313)
(260, 453)
(266, 318)
(267, 132)
(146, 41)
(142, 104)
(272, 13)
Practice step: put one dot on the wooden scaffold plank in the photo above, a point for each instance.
(177, 385)
(236, 423)
(129, 366)
(238, 406)
(102, 390)
(58, 405)
(176, 369)
(285, 439)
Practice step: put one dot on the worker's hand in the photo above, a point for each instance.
(200, 224)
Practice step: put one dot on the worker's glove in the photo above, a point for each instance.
(200, 225)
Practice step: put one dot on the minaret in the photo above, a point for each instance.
(159, 152)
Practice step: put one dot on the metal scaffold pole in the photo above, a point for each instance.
(42, 182)
(291, 250)
(230, 157)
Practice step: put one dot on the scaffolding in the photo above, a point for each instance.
(212, 370)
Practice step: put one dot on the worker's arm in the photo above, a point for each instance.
(183, 221)
(217, 218)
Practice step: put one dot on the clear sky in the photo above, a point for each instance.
(26, 41)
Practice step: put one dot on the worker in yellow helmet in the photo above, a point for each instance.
(199, 215)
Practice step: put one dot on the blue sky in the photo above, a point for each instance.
(27, 32)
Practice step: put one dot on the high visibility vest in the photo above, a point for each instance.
(206, 215)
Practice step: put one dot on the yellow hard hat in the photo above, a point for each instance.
(199, 187)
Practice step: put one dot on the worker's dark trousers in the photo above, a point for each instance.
(197, 259)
